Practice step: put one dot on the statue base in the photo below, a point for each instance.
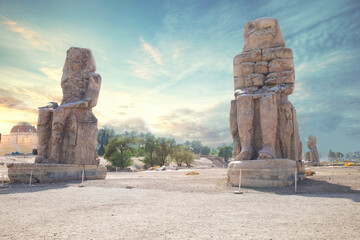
(47, 173)
(263, 173)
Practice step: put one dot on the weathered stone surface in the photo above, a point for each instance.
(44, 173)
(246, 68)
(269, 54)
(261, 33)
(262, 173)
(285, 53)
(233, 127)
(251, 56)
(239, 82)
(266, 120)
(254, 79)
(261, 67)
(277, 78)
(312, 155)
(67, 133)
(281, 64)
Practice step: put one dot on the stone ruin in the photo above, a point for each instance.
(67, 133)
(263, 122)
(312, 155)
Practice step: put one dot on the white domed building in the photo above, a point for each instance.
(22, 139)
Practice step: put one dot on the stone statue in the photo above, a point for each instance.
(312, 155)
(263, 121)
(67, 133)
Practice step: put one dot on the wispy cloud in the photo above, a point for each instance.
(152, 51)
(148, 64)
(53, 73)
(193, 124)
(32, 37)
(130, 124)
(15, 104)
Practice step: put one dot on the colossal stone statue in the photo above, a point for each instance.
(312, 155)
(263, 121)
(67, 133)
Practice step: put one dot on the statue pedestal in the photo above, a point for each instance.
(46, 172)
(262, 173)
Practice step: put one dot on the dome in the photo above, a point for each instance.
(23, 124)
(23, 127)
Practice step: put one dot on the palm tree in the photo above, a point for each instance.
(103, 138)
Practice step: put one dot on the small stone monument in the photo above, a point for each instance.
(312, 155)
(67, 133)
(263, 121)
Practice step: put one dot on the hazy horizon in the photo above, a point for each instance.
(166, 66)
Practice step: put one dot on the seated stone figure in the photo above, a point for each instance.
(262, 120)
(67, 133)
(313, 154)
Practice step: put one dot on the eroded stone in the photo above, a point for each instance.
(67, 133)
(312, 155)
(266, 120)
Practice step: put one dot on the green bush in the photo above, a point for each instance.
(183, 154)
(121, 160)
(119, 151)
(225, 152)
(205, 150)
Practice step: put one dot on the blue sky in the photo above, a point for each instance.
(167, 65)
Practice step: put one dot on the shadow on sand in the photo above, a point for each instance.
(14, 188)
(315, 188)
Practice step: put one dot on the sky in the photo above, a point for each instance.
(166, 66)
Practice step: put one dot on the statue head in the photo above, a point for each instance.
(262, 32)
(78, 65)
(79, 59)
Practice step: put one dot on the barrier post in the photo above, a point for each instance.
(82, 176)
(296, 180)
(31, 173)
(240, 180)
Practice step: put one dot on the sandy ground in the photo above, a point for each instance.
(173, 205)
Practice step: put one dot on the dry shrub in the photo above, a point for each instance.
(309, 172)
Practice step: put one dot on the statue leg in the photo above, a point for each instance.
(268, 122)
(44, 133)
(245, 117)
(237, 145)
(57, 130)
(234, 128)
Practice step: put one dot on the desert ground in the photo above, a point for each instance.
(173, 205)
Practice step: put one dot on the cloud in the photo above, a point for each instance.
(147, 63)
(31, 36)
(209, 125)
(129, 125)
(15, 104)
(53, 73)
(152, 51)
(123, 106)
(23, 99)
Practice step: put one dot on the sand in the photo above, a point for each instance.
(173, 205)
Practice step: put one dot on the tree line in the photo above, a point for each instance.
(119, 148)
(338, 156)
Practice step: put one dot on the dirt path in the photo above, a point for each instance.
(172, 205)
